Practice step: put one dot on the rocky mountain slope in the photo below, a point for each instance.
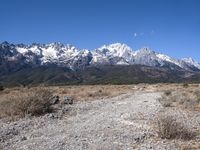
(117, 63)
(71, 57)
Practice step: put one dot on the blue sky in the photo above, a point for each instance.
(168, 26)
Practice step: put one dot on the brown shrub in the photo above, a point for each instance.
(197, 93)
(168, 92)
(185, 85)
(166, 100)
(100, 93)
(186, 99)
(167, 104)
(34, 102)
(169, 127)
(190, 146)
(64, 91)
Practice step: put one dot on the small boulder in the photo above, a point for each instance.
(23, 138)
(68, 100)
(55, 100)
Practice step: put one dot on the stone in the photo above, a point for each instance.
(68, 100)
(23, 138)
(55, 100)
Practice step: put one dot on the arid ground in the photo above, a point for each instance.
(102, 117)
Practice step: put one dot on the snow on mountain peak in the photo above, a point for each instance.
(146, 50)
(169, 59)
(117, 50)
(189, 59)
(192, 62)
(117, 47)
(113, 54)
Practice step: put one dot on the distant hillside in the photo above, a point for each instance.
(59, 64)
(53, 75)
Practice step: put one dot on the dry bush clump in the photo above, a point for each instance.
(186, 99)
(36, 101)
(98, 93)
(166, 100)
(172, 127)
(168, 92)
(190, 146)
(185, 85)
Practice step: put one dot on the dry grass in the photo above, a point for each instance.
(184, 97)
(185, 85)
(174, 94)
(17, 104)
(89, 92)
(167, 93)
(179, 119)
(172, 127)
(169, 127)
(92, 92)
(190, 146)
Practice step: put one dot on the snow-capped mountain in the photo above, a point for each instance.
(191, 62)
(145, 56)
(71, 57)
(115, 54)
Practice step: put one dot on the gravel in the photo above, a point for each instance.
(122, 122)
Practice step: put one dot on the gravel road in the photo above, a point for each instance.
(122, 122)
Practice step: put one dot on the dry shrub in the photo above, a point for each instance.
(166, 100)
(186, 99)
(64, 91)
(168, 92)
(190, 146)
(197, 93)
(98, 93)
(185, 85)
(35, 102)
(172, 127)
(167, 104)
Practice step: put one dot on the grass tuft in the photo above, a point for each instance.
(170, 127)
(32, 102)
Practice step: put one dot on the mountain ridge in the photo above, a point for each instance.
(60, 64)
(67, 55)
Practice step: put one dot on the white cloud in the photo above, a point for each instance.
(140, 34)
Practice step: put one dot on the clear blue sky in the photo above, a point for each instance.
(168, 26)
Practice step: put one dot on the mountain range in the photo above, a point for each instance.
(69, 63)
